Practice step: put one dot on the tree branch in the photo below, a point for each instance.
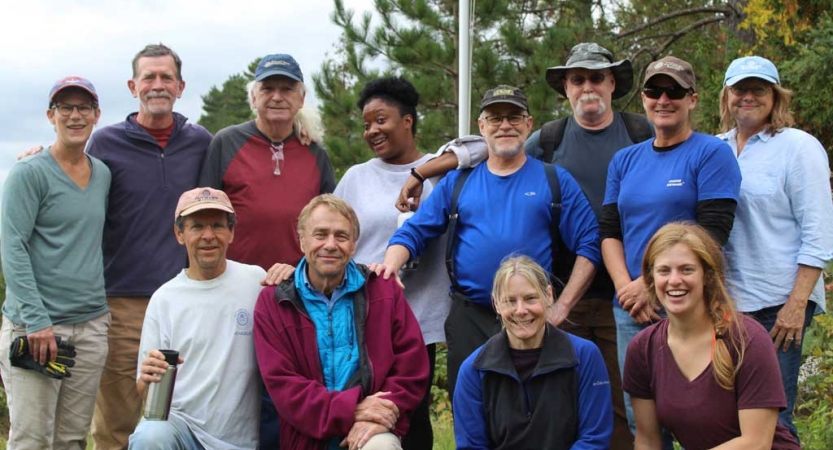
(727, 12)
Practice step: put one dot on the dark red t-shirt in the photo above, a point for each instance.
(700, 413)
(161, 135)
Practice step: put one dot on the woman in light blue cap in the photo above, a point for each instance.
(781, 238)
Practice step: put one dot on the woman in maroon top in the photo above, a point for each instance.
(707, 374)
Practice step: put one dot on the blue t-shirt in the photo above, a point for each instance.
(500, 216)
(653, 188)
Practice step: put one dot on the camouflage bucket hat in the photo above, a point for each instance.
(589, 55)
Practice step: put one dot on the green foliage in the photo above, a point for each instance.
(807, 73)
(814, 405)
(228, 105)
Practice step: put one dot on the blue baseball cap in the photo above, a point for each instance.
(278, 64)
(751, 66)
(72, 81)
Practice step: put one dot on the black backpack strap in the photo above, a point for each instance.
(551, 135)
(451, 240)
(555, 210)
(639, 129)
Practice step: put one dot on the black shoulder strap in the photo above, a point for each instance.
(451, 240)
(639, 129)
(551, 135)
(555, 209)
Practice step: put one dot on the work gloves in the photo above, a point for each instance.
(20, 357)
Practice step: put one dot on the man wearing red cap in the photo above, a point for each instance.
(52, 221)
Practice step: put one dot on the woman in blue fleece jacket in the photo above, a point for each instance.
(532, 385)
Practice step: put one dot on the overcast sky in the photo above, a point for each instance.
(45, 40)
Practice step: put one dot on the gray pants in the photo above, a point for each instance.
(54, 414)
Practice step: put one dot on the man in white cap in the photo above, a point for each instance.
(52, 223)
(205, 313)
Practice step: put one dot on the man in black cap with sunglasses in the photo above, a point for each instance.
(584, 144)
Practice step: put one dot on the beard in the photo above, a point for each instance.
(508, 152)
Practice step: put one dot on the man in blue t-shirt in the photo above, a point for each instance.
(503, 209)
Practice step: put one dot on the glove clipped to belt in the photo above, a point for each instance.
(19, 356)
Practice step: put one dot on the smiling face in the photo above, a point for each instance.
(278, 99)
(591, 98)
(328, 242)
(523, 310)
(74, 130)
(156, 85)
(678, 281)
(388, 133)
(505, 140)
(206, 236)
(668, 116)
(749, 110)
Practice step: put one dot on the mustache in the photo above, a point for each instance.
(589, 97)
(159, 95)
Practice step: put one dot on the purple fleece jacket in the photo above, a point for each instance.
(140, 250)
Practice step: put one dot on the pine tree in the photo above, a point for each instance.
(228, 105)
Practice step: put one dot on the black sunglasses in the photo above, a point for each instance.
(674, 92)
(595, 78)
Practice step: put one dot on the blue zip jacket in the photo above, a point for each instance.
(565, 403)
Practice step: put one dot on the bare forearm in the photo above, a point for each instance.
(440, 165)
(580, 280)
(805, 281)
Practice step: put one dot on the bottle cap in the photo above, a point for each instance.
(171, 356)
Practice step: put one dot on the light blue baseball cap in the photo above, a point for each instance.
(749, 67)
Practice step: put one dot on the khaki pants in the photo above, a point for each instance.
(54, 414)
(118, 407)
(383, 441)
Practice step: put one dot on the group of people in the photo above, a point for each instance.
(298, 306)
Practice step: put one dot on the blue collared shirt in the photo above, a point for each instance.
(783, 218)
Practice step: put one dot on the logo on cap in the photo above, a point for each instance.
(668, 64)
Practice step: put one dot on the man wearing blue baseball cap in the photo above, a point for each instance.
(270, 175)
(56, 308)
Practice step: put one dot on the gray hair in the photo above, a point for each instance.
(307, 121)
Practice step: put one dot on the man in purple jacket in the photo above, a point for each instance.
(339, 350)
(154, 156)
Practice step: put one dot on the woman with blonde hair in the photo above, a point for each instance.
(781, 238)
(511, 390)
(707, 374)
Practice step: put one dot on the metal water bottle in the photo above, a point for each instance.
(158, 403)
(414, 262)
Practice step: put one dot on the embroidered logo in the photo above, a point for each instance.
(530, 194)
(674, 183)
(243, 320)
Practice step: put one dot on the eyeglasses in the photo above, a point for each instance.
(66, 109)
(514, 119)
(675, 92)
(757, 91)
(595, 78)
(277, 156)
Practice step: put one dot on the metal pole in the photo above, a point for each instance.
(464, 69)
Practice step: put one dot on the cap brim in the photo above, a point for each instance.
(737, 78)
(500, 101)
(203, 206)
(622, 73)
(676, 78)
(277, 72)
(77, 86)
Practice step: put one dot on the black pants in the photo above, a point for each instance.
(468, 326)
(421, 436)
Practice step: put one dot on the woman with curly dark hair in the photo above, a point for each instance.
(390, 118)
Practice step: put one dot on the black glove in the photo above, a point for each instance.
(19, 356)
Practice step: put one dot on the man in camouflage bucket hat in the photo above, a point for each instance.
(584, 144)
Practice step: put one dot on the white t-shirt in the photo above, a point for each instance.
(217, 390)
(371, 188)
